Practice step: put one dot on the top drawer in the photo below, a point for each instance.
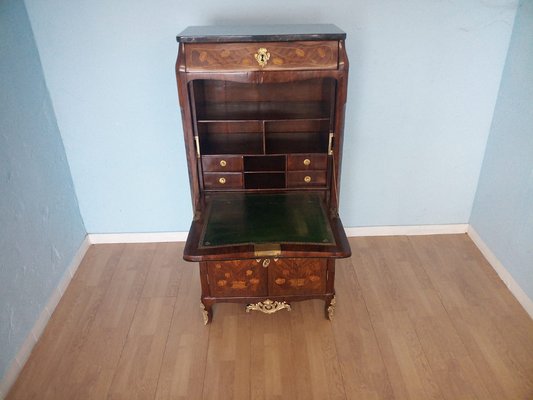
(258, 56)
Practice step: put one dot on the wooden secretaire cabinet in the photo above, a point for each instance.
(263, 115)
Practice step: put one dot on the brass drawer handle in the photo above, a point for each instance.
(222, 181)
(223, 163)
(307, 179)
(266, 262)
(307, 162)
(262, 56)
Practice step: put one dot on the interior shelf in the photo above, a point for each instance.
(232, 143)
(267, 110)
(296, 142)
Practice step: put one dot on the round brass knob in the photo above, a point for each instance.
(307, 162)
(222, 180)
(223, 163)
(307, 179)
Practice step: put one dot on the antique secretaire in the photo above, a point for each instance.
(263, 115)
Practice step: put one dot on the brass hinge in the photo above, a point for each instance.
(197, 215)
(330, 143)
(197, 142)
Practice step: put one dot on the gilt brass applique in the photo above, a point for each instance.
(205, 314)
(268, 306)
(267, 250)
(331, 308)
(262, 56)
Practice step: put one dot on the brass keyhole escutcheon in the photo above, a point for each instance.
(307, 179)
(262, 56)
(222, 180)
(223, 163)
(266, 262)
(307, 162)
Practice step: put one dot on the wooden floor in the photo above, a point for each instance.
(422, 317)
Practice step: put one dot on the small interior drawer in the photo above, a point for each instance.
(222, 163)
(222, 180)
(303, 162)
(306, 179)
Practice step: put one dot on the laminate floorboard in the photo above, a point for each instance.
(419, 317)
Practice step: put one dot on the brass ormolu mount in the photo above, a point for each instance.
(268, 306)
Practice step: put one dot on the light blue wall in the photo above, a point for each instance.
(423, 84)
(40, 223)
(503, 210)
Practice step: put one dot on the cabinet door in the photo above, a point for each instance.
(297, 276)
(237, 278)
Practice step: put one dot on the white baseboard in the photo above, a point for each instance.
(149, 237)
(407, 230)
(502, 272)
(27, 346)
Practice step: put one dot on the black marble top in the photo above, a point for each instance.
(263, 33)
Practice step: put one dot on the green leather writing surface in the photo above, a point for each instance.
(266, 218)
